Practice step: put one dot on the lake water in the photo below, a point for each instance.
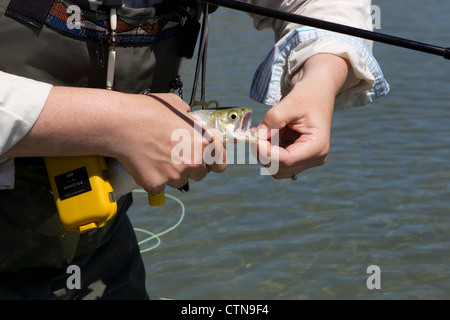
(381, 199)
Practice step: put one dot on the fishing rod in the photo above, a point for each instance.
(331, 26)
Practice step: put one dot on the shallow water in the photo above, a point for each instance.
(381, 199)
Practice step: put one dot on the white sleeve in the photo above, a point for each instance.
(297, 43)
(21, 102)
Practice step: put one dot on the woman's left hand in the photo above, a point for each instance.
(302, 119)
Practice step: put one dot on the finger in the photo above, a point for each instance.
(277, 117)
(179, 183)
(214, 154)
(268, 156)
(152, 185)
(200, 173)
(286, 173)
(264, 150)
(155, 190)
(299, 157)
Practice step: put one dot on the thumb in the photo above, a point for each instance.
(275, 119)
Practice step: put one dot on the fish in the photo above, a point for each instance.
(232, 123)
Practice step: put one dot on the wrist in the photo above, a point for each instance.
(324, 72)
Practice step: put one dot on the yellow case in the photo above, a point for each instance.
(83, 193)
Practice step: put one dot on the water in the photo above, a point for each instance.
(381, 199)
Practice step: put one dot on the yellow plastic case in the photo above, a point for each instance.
(83, 193)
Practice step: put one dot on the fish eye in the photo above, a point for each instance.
(232, 116)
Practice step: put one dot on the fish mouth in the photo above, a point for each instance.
(246, 121)
(243, 130)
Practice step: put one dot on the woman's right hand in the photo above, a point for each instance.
(148, 155)
(134, 129)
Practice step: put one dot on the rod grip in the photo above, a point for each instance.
(157, 200)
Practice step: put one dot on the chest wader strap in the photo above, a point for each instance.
(30, 11)
(96, 24)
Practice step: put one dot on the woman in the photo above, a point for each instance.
(53, 104)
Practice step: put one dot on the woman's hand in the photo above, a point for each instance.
(135, 129)
(147, 150)
(302, 118)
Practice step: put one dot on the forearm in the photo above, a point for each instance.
(328, 69)
(74, 121)
(317, 83)
(135, 129)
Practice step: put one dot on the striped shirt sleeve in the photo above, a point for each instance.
(364, 84)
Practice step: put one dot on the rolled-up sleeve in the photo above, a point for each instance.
(21, 102)
(296, 44)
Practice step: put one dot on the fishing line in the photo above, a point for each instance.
(151, 235)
